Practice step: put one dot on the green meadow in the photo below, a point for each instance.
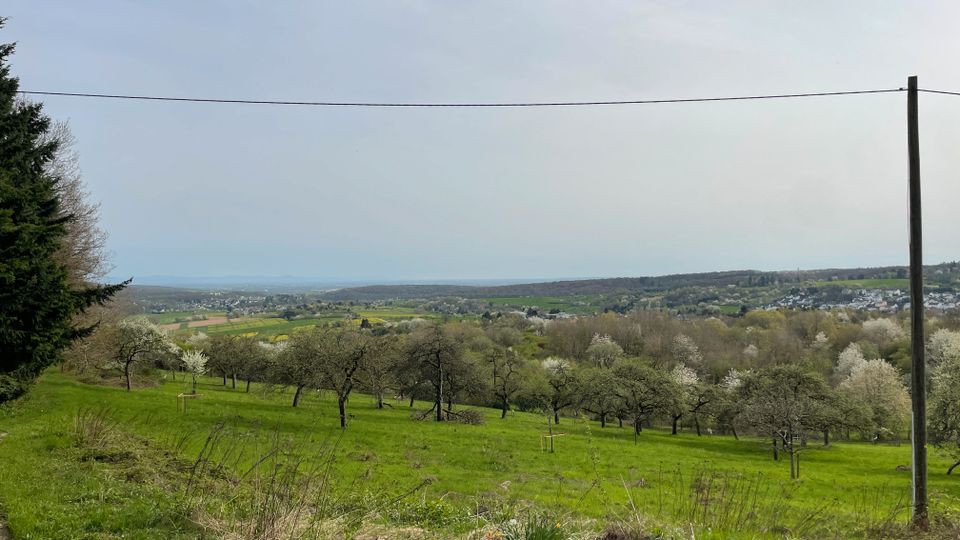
(443, 472)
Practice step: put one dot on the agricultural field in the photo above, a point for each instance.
(60, 479)
(272, 326)
(173, 316)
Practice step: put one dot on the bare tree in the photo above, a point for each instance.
(297, 364)
(342, 355)
(435, 350)
(505, 365)
(379, 373)
(84, 249)
(562, 382)
(644, 390)
(786, 402)
(600, 393)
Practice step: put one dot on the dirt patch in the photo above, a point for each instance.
(208, 322)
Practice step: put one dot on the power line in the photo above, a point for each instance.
(945, 92)
(451, 105)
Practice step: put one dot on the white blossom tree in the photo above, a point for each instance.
(687, 392)
(821, 341)
(879, 386)
(850, 358)
(883, 331)
(686, 352)
(944, 409)
(136, 339)
(944, 345)
(604, 351)
(195, 363)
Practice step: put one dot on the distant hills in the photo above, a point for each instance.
(944, 275)
(607, 286)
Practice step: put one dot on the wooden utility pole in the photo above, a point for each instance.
(918, 370)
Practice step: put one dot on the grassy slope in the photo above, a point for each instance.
(42, 489)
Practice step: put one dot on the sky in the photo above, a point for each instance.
(441, 194)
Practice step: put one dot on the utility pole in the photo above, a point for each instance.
(918, 370)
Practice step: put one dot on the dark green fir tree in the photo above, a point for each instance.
(37, 303)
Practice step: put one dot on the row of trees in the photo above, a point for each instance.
(496, 363)
(649, 369)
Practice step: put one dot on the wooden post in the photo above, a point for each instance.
(918, 369)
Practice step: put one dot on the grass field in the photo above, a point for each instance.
(595, 474)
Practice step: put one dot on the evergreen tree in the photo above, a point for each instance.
(37, 303)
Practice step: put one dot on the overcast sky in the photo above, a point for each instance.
(392, 194)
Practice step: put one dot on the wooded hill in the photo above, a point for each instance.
(945, 272)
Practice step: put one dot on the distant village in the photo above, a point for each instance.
(882, 300)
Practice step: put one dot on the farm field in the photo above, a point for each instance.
(272, 327)
(172, 316)
(49, 486)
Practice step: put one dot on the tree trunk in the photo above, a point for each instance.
(826, 437)
(296, 396)
(411, 400)
(224, 378)
(342, 404)
(619, 421)
(776, 454)
(676, 419)
(248, 386)
(379, 400)
(734, 431)
(234, 381)
(952, 467)
(696, 422)
(556, 417)
(636, 428)
(504, 407)
(438, 405)
(126, 374)
(793, 471)
(603, 420)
